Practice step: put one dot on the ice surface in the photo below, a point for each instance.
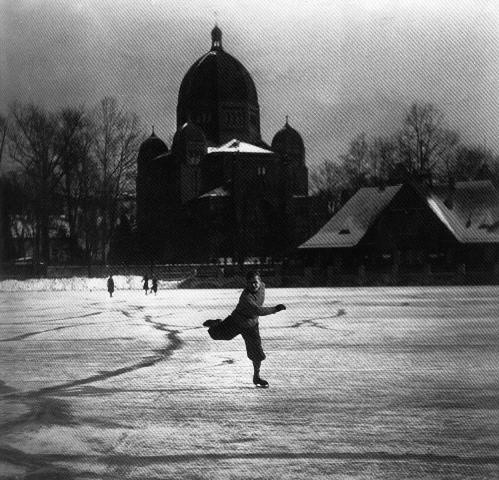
(376, 383)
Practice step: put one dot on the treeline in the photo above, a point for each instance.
(79, 162)
(424, 147)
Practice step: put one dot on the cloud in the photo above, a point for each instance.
(336, 67)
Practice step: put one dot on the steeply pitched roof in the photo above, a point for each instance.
(236, 146)
(469, 210)
(351, 222)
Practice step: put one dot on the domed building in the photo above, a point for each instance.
(219, 95)
(221, 191)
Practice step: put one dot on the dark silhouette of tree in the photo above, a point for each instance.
(472, 163)
(121, 247)
(424, 143)
(383, 160)
(16, 207)
(423, 148)
(3, 135)
(117, 138)
(3, 213)
(73, 144)
(328, 181)
(356, 162)
(32, 139)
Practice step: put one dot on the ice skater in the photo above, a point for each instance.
(110, 285)
(146, 283)
(244, 320)
(154, 287)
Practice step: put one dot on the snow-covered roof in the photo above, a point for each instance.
(236, 146)
(216, 192)
(469, 210)
(351, 222)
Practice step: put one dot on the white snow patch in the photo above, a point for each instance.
(121, 282)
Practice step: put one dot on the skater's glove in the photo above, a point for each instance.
(280, 307)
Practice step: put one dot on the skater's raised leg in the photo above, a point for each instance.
(212, 323)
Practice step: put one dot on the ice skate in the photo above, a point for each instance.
(260, 382)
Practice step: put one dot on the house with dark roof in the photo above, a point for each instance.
(410, 233)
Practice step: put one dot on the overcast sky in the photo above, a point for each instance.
(336, 67)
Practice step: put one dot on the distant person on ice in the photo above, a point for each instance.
(154, 287)
(110, 285)
(146, 284)
(244, 320)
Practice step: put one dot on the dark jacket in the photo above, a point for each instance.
(110, 285)
(249, 308)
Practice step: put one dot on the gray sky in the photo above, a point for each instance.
(337, 67)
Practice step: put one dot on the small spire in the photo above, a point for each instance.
(152, 134)
(287, 120)
(216, 38)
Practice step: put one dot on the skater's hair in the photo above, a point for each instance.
(252, 274)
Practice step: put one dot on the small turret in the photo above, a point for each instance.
(288, 143)
(151, 147)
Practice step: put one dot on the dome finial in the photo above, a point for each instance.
(216, 38)
(152, 131)
(287, 120)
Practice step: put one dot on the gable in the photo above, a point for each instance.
(349, 225)
(469, 211)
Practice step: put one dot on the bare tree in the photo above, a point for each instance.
(74, 138)
(328, 181)
(425, 145)
(3, 219)
(356, 161)
(470, 162)
(3, 135)
(383, 158)
(32, 146)
(117, 138)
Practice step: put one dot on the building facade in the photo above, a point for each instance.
(220, 190)
(409, 233)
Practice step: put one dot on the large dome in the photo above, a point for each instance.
(218, 94)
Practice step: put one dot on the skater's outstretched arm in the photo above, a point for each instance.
(249, 308)
(249, 305)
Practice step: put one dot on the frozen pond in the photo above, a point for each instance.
(377, 383)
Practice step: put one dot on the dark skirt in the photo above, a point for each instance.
(228, 329)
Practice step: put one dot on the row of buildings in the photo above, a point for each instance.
(220, 191)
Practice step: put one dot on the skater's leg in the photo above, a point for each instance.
(255, 353)
(257, 380)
